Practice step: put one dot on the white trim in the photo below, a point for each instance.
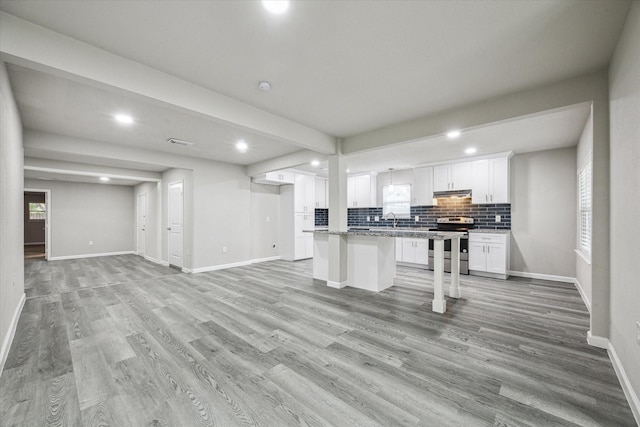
(185, 270)
(271, 258)
(596, 341)
(629, 392)
(60, 258)
(584, 256)
(336, 285)
(582, 294)
(93, 174)
(8, 339)
(155, 261)
(542, 276)
(216, 267)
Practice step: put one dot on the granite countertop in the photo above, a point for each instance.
(503, 231)
(416, 233)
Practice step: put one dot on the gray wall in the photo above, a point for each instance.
(82, 212)
(265, 202)
(11, 224)
(34, 231)
(624, 92)
(543, 212)
(583, 267)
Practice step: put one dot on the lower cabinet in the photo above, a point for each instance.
(489, 254)
(412, 251)
(303, 247)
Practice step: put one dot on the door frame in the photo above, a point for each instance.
(181, 182)
(138, 231)
(47, 219)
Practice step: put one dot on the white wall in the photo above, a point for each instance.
(11, 215)
(82, 212)
(583, 266)
(624, 92)
(265, 203)
(543, 212)
(153, 193)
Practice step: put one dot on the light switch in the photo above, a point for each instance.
(497, 218)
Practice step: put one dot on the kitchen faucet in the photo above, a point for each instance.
(394, 218)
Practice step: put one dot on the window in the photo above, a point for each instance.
(584, 207)
(397, 199)
(37, 211)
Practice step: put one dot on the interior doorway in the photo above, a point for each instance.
(36, 224)
(141, 225)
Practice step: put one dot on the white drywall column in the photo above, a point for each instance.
(600, 309)
(337, 219)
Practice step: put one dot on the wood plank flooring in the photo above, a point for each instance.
(121, 341)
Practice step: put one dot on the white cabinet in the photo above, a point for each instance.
(452, 176)
(276, 178)
(490, 181)
(304, 241)
(321, 193)
(413, 251)
(361, 191)
(489, 254)
(304, 192)
(422, 186)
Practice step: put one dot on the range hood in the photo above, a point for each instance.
(451, 193)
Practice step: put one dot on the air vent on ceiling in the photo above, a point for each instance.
(180, 142)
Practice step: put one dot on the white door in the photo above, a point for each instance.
(176, 224)
(141, 223)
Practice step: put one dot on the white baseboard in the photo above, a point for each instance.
(337, 285)
(60, 258)
(156, 261)
(271, 258)
(8, 339)
(596, 341)
(230, 265)
(582, 294)
(632, 397)
(542, 276)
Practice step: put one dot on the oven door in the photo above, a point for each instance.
(464, 247)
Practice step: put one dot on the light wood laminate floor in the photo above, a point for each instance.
(121, 341)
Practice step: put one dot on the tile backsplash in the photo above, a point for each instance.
(484, 215)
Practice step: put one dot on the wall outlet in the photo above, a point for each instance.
(376, 218)
(368, 218)
(498, 218)
(224, 249)
(417, 218)
(90, 242)
(638, 332)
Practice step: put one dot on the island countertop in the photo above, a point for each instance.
(414, 233)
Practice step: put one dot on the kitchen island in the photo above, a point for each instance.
(371, 261)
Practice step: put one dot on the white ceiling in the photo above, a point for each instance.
(342, 67)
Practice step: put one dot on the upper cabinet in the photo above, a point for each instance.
(361, 190)
(276, 178)
(304, 192)
(452, 176)
(322, 193)
(423, 186)
(490, 181)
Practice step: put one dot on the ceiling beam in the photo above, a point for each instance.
(81, 169)
(572, 91)
(33, 46)
(302, 157)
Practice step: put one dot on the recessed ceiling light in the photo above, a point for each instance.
(315, 163)
(453, 134)
(276, 6)
(104, 178)
(470, 150)
(265, 86)
(242, 146)
(123, 118)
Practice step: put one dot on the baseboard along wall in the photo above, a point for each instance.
(8, 339)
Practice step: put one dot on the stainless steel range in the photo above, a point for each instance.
(457, 223)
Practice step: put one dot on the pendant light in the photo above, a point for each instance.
(391, 186)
